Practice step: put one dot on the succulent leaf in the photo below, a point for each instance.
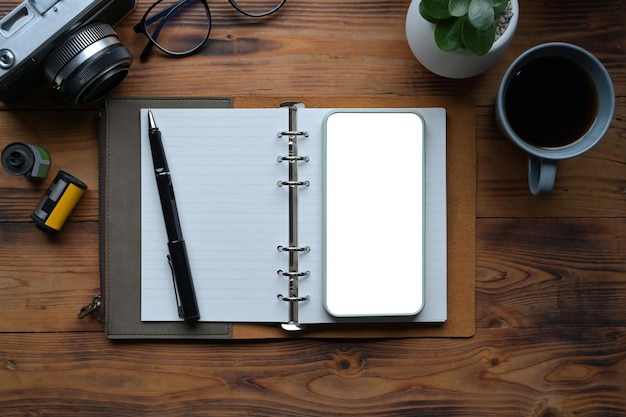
(480, 14)
(438, 9)
(448, 34)
(458, 8)
(478, 41)
(499, 6)
(425, 14)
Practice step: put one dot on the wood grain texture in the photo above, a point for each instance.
(550, 276)
(498, 372)
(541, 272)
(46, 279)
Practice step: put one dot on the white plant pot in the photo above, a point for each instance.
(457, 64)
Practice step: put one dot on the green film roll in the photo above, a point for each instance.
(23, 159)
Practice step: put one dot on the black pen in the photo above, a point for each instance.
(179, 262)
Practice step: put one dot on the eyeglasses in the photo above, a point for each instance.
(180, 28)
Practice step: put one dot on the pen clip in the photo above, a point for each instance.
(181, 313)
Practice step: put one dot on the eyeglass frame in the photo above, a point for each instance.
(163, 15)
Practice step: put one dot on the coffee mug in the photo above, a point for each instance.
(555, 101)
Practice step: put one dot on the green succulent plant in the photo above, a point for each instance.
(468, 24)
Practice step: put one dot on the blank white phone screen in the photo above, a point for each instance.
(374, 213)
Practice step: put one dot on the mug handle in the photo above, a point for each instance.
(541, 175)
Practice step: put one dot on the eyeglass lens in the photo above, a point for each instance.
(178, 27)
(257, 8)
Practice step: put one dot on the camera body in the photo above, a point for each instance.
(68, 42)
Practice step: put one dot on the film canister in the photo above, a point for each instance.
(58, 202)
(24, 159)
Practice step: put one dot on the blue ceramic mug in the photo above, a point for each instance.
(555, 101)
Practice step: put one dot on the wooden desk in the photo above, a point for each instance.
(550, 275)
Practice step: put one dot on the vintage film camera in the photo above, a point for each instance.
(68, 42)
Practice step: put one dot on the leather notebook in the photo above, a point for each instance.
(120, 207)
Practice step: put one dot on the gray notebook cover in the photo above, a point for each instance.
(120, 223)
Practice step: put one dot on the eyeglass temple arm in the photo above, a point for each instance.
(141, 27)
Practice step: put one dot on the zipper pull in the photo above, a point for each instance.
(90, 308)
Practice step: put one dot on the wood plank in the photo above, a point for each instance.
(526, 372)
(45, 279)
(544, 272)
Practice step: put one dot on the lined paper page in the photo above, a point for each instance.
(435, 217)
(233, 214)
(224, 169)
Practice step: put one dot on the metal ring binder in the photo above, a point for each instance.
(293, 249)
(299, 299)
(293, 274)
(282, 248)
(293, 158)
(293, 183)
(294, 132)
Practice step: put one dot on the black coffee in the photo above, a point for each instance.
(551, 102)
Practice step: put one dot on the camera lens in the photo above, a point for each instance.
(88, 64)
